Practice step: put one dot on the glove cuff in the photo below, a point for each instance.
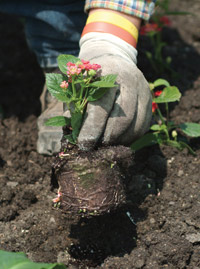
(112, 23)
(117, 45)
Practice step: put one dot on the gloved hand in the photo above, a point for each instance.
(124, 113)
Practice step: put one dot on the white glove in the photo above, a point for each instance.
(124, 113)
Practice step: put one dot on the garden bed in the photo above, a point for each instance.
(162, 193)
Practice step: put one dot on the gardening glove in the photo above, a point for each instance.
(49, 137)
(124, 113)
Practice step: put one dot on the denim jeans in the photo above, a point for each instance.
(52, 27)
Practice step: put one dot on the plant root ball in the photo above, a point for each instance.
(92, 183)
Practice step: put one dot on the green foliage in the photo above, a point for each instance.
(191, 129)
(11, 260)
(169, 94)
(58, 121)
(146, 140)
(164, 131)
(107, 81)
(76, 122)
(63, 59)
(53, 82)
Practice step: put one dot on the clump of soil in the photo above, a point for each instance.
(91, 183)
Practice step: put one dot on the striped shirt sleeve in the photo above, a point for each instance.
(139, 8)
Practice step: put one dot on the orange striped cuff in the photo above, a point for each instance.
(109, 28)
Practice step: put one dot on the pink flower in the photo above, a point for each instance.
(64, 85)
(73, 70)
(157, 93)
(95, 66)
(85, 62)
(69, 64)
(61, 154)
(88, 66)
(154, 106)
(149, 27)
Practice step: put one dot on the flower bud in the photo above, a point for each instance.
(64, 85)
(92, 72)
(174, 133)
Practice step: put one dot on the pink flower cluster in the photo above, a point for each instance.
(77, 68)
(64, 85)
(73, 69)
(86, 65)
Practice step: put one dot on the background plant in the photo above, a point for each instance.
(153, 30)
(164, 131)
(79, 83)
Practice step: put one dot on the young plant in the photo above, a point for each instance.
(165, 131)
(153, 30)
(79, 84)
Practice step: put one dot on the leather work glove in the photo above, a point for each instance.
(124, 113)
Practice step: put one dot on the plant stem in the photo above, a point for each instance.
(167, 113)
(163, 122)
(73, 87)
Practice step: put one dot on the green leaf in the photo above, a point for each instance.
(157, 127)
(174, 144)
(63, 59)
(97, 94)
(70, 139)
(180, 145)
(160, 82)
(53, 82)
(105, 82)
(169, 94)
(148, 139)
(151, 86)
(76, 122)
(58, 121)
(148, 54)
(190, 129)
(184, 145)
(11, 260)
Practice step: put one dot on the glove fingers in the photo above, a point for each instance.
(95, 120)
(121, 116)
(136, 105)
(141, 122)
(125, 108)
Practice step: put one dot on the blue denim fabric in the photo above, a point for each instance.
(52, 27)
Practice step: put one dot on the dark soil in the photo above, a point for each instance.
(163, 192)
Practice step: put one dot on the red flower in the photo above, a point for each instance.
(149, 27)
(157, 93)
(165, 20)
(154, 106)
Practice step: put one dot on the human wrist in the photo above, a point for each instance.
(119, 24)
(133, 19)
